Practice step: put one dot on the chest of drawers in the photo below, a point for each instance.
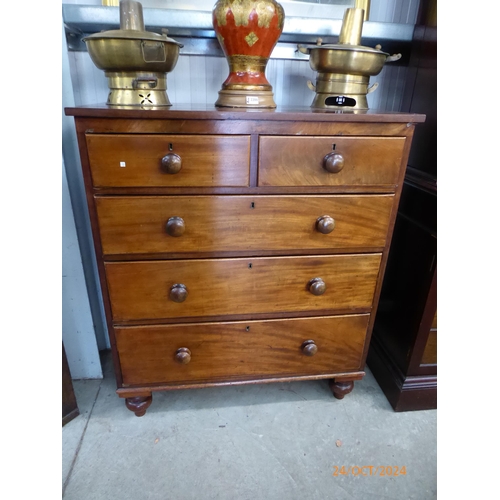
(240, 247)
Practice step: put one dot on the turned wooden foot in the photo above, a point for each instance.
(139, 404)
(341, 388)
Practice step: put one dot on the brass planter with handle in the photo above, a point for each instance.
(135, 61)
(344, 69)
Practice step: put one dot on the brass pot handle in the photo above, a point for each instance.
(309, 348)
(333, 162)
(171, 163)
(317, 286)
(325, 224)
(178, 292)
(183, 355)
(175, 226)
(394, 57)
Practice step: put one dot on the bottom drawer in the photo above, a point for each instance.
(240, 350)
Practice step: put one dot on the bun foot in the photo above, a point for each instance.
(139, 404)
(341, 388)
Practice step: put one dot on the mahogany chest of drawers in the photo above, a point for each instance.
(240, 246)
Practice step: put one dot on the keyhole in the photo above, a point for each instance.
(247, 328)
(333, 147)
(252, 205)
(250, 266)
(170, 147)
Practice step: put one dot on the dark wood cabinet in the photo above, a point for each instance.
(403, 350)
(69, 404)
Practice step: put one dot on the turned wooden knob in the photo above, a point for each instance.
(309, 348)
(325, 224)
(317, 286)
(175, 226)
(178, 292)
(171, 163)
(333, 162)
(183, 355)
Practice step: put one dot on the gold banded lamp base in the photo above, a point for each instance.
(245, 99)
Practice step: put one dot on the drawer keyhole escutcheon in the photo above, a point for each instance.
(175, 226)
(171, 163)
(178, 292)
(183, 355)
(309, 348)
(333, 162)
(325, 224)
(317, 286)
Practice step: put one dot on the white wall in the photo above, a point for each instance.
(77, 326)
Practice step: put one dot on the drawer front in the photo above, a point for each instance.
(254, 349)
(159, 224)
(154, 160)
(300, 161)
(213, 287)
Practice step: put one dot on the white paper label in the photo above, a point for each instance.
(252, 99)
(122, 164)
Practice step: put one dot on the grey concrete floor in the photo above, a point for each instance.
(260, 442)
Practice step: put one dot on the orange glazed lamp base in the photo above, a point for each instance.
(247, 31)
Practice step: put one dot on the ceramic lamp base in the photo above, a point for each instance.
(245, 99)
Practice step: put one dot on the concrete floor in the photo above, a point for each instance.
(268, 441)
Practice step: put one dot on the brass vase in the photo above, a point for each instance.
(248, 31)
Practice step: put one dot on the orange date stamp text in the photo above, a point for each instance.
(369, 470)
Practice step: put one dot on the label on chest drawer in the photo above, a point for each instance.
(183, 224)
(142, 160)
(259, 349)
(330, 161)
(215, 287)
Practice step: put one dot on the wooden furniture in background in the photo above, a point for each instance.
(403, 352)
(69, 404)
(239, 246)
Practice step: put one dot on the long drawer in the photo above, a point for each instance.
(177, 224)
(254, 349)
(352, 161)
(213, 287)
(135, 160)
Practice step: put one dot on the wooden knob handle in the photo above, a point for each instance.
(178, 292)
(309, 348)
(325, 224)
(171, 163)
(175, 226)
(333, 162)
(317, 286)
(183, 355)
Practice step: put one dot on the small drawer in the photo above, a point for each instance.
(330, 161)
(135, 160)
(240, 350)
(216, 287)
(183, 224)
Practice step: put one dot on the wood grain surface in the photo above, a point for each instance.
(240, 349)
(138, 224)
(298, 161)
(141, 290)
(135, 160)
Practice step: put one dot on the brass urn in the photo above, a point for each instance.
(344, 69)
(248, 31)
(135, 61)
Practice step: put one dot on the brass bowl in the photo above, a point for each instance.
(132, 50)
(347, 59)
